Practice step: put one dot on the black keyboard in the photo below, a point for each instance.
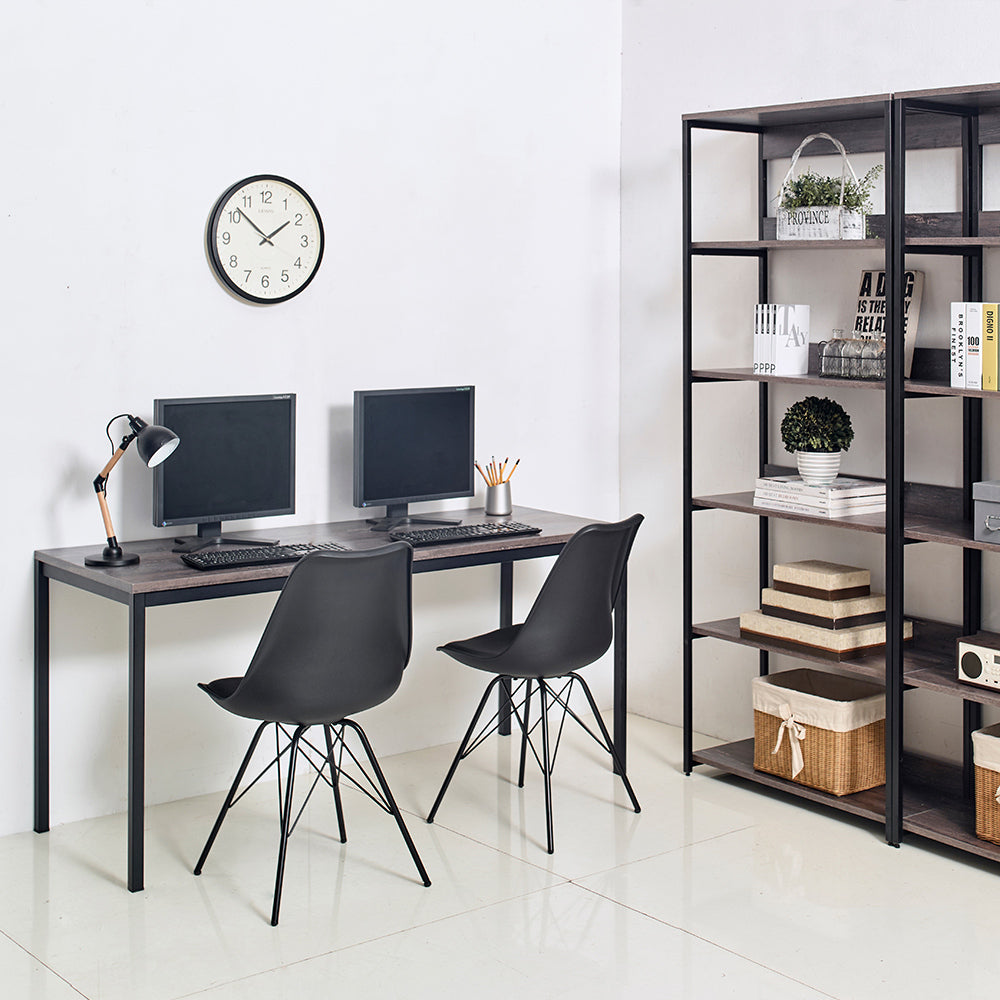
(256, 555)
(461, 532)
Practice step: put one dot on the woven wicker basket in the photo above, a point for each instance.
(838, 724)
(986, 760)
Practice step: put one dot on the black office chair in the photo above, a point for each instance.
(336, 644)
(569, 626)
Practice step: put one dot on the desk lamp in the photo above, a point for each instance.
(155, 443)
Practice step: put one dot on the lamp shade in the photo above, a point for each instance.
(155, 443)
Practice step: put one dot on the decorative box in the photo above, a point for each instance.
(986, 764)
(819, 729)
(986, 511)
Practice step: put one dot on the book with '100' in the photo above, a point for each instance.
(842, 487)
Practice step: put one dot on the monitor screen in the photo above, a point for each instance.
(413, 444)
(236, 460)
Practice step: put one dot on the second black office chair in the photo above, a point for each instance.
(569, 626)
(336, 644)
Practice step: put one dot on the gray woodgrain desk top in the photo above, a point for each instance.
(161, 570)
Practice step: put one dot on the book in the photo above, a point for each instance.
(958, 345)
(842, 486)
(791, 339)
(973, 345)
(822, 503)
(869, 320)
(835, 644)
(791, 507)
(989, 346)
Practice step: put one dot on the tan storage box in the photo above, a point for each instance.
(820, 730)
(986, 764)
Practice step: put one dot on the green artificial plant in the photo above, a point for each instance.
(815, 424)
(809, 188)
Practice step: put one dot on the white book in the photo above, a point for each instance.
(772, 330)
(842, 486)
(791, 340)
(817, 503)
(958, 345)
(757, 335)
(790, 507)
(973, 345)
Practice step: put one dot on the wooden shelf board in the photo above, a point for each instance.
(927, 657)
(707, 248)
(743, 502)
(844, 109)
(932, 803)
(914, 387)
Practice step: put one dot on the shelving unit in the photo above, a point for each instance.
(920, 796)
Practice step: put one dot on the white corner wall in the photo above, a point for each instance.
(465, 159)
(691, 58)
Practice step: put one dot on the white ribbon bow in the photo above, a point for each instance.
(796, 732)
(997, 796)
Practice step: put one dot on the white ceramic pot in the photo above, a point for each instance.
(818, 468)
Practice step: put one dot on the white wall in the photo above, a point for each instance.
(685, 59)
(464, 158)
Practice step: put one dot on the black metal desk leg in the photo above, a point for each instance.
(621, 669)
(41, 700)
(136, 738)
(506, 620)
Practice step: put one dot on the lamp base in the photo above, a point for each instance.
(111, 557)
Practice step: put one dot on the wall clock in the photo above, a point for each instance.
(265, 238)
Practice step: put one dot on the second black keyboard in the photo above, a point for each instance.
(462, 532)
(257, 555)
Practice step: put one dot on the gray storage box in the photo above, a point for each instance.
(986, 511)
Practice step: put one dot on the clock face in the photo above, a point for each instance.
(265, 239)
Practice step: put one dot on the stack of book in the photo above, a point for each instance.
(844, 497)
(823, 607)
(974, 354)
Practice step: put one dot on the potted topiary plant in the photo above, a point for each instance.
(817, 431)
(814, 207)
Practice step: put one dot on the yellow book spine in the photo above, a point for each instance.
(990, 354)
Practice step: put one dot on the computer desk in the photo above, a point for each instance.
(161, 578)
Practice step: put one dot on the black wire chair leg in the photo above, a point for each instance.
(229, 798)
(546, 770)
(524, 733)
(286, 824)
(461, 748)
(335, 781)
(608, 742)
(391, 802)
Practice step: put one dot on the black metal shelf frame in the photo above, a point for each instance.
(895, 115)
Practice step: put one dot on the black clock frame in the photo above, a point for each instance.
(212, 247)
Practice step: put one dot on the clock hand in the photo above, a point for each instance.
(267, 239)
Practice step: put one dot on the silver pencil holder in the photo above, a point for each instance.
(498, 500)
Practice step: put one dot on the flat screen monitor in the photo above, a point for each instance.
(412, 445)
(236, 460)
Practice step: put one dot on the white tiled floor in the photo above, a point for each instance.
(717, 889)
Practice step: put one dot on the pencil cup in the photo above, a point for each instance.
(498, 499)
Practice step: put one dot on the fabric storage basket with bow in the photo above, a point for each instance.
(986, 764)
(821, 222)
(820, 729)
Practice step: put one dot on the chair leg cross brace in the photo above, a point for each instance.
(297, 746)
(548, 697)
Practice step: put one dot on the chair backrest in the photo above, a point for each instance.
(337, 641)
(570, 624)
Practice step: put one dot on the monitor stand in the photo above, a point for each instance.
(397, 515)
(209, 534)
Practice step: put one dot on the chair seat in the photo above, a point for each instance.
(222, 688)
(481, 650)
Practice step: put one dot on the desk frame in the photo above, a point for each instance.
(139, 589)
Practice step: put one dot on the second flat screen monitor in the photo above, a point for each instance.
(412, 445)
